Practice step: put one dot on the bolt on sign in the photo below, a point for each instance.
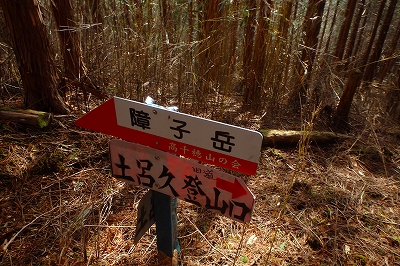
(181, 178)
(204, 140)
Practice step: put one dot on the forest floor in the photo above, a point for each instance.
(337, 204)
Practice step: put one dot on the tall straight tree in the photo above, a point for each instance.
(345, 28)
(390, 53)
(211, 30)
(75, 70)
(333, 22)
(377, 51)
(208, 54)
(256, 75)
(230, 46)
(248, 41)
(167, 20)
(95, 11)
(284, 25)
(70, 42)
(354, 29)
(367, 13)
(393, 106)
(34, 55)
(354, 79)
(311, 27)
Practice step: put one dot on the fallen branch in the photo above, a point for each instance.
(274, 137)
(28, 117)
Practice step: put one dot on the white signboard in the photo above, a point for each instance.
(181, 178)
(203, 133)
(193, 137)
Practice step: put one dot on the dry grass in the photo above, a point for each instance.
(332, 205)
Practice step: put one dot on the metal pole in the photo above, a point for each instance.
(166, 224)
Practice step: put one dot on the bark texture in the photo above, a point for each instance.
(354, 79)
(34, 55)
(344, 30)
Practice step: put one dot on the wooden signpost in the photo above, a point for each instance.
(159, 133)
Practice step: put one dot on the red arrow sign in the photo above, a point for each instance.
(150, 125)
(235, 188)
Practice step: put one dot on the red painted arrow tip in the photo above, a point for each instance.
(235, 188)
(99, 118)
(239, 190)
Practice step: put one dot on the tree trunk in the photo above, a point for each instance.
(212, 25)
(344, 30)
(328, 40)
(34, 55)
(167, 20)
(208, 49)
(390, 54)
(360, 31)
(354, 29)
(70, 42)
(190, 22)
(285, 22)
(231, 57)
(327, 15)
(252, 95)
(70, 45)
(354, 80)
(377, 51)
(95, 11)
(311, 27)
(248, 42)
(393, 96)
(343, 109)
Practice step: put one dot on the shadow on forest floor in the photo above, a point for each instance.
(336, 204)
